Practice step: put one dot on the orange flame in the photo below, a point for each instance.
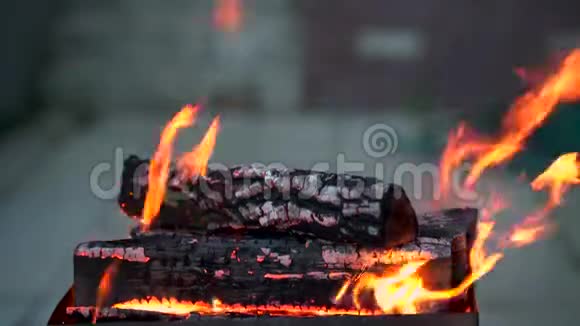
(228, 15)
(183, 307)
(526, 114)
(403, 291)
(557, 179)
(105, 286)
(159, 165)
(194, 163)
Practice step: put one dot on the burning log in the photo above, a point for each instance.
(246, 270)
(339, 208)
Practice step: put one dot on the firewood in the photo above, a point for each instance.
(341, 208)
(244, 269)
(460, 226)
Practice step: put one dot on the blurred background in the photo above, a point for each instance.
(297, 82)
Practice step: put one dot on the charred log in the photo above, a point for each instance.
(340, 208)
(460, 225)
(245, 269)
(449, 223)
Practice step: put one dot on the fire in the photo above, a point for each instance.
(184, 307)
(228, 15)
(159, 166)
(403, 291)
(526, 114)
(557, 179)
(105, 286)
(194, 163)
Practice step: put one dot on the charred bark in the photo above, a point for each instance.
(244, 269)
(460, 226)
(339, 208)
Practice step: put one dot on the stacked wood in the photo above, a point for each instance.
(245, 270)
(257, 236)
(256, 270)
(340, 208)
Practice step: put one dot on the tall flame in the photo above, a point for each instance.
(105, 286)
(194, 163)
(402, 290)
(159, 165)
(526, 114)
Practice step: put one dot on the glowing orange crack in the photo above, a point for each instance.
(184, 307)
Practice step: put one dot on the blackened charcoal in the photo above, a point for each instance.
(341, 208)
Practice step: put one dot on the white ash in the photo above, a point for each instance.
(311, 185)
(368, 208)
(306, 215)
(245, 191)
(215, 196)
(133, 254)
(285, 260)
(273, 215)
(352, 193)
(329, 194)
(297, 182)
(375, 191)
(328, 275)
(327, 220)
(337, 256)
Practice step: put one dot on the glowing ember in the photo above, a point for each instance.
(159, 166)
(177, 307)
(195, 162)
(283, 276)
(526, 114)
(228, 15)
(105, 287)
